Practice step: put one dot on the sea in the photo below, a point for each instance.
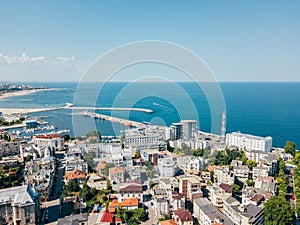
(263, 109)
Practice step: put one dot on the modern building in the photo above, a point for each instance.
(166, 167)
(217, 194)
(19, 205)
(207, 214)
(189, 129)
(249, 142)
(190, 187)
(224, 175)
(244, 214)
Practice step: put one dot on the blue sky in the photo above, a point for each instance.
(239, 40)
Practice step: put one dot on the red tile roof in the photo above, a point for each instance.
(128, 202)
(183, 215)
(76, 174)
(226, 187)
(107, 217)
(167, 222)
(48, 136)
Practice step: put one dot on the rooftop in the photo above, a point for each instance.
(211, 211)
(250, 211)
(250, 136)
(48, 136)
(183, 214)
(128, 202)
(76, 174)
(116, 170)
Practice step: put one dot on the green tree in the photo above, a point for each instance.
(95, 134)
(122, 139)
(250, 163)
(235, 189)
(278, 211)
(290, 148)
(106, 168)
(250, 182)
(89, 158)
(198, 152)
(66, 137)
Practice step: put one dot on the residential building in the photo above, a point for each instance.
(167, 222)
(166, 167)
(129, 189)
(189, 129)
(97, 181)
(177, 200)
(128, 203)
(207, 214)
(19, 205)
(244, 214)
(76, 175)
(261, 170)
(39, 172)
(52, 140)
(240, 171)
(75, 163)
(183, 217)
(223, 175)
(249, 142)
(161, 206)
(116, 174)
(151, 155)
(190, 187)
(217, 194)
(9, 148)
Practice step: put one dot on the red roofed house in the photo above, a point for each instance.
(167, 222)
(109, 219)
(76, 175)
(129, 189)
(183, 217)
(129, 203)
(52, 140)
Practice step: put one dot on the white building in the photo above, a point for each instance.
(189, 129)
(166, 167)
(223, 175)
(162, 206)
(249, 142)
(19, 205)
(207, 214)
(45, 140)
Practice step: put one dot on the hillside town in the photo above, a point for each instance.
(174, 175)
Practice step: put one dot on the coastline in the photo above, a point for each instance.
(23, 92)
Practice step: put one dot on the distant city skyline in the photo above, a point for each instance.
(239, 41)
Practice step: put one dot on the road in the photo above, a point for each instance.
(152, 215)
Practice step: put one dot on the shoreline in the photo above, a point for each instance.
(23, 92)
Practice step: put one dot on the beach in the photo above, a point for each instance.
(23, 92)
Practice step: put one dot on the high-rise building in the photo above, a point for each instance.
(176, 130)
(189, 129)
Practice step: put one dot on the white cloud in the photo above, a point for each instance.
(40, 68)
(21, 59)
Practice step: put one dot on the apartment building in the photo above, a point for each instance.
(249, 142)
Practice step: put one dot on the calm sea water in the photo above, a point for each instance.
(265, 109)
